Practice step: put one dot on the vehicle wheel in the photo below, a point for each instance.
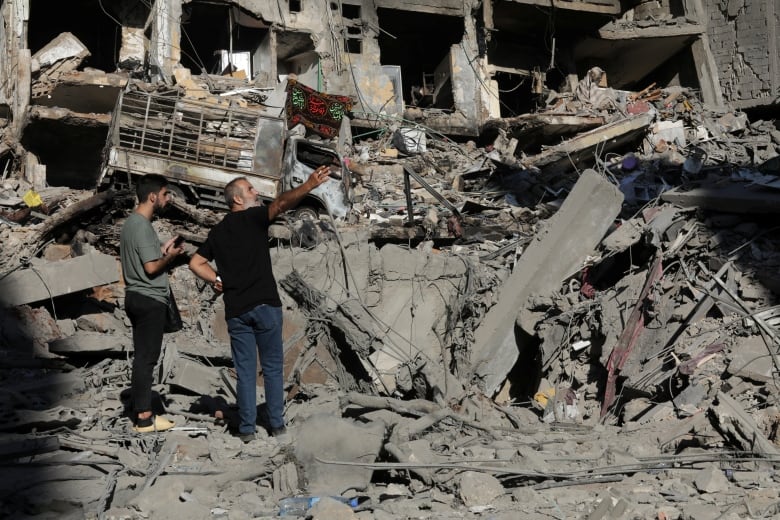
(306, 213)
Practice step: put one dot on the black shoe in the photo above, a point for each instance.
(278, 432)
(247, 437)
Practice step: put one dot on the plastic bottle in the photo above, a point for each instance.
(297, 506)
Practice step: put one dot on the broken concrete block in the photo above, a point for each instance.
(67, 327)
(328, 508)
(626, 235)
(100, 322)
(194, 376)
(37, 327)
(691, 397)
(669, 131)
(91, 342)
(55, 252)
(479, 489)
(736, 422)
(711, 480)
(219, 331)
(63, 47)
(556, 253)
(57, 278)
(748, 360)
(579, 150)
(285, 480)
(327, 438)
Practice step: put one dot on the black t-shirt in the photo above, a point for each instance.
(239, 245)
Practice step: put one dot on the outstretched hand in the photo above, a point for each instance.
(319, 176)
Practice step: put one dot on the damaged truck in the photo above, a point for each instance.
(202, 145)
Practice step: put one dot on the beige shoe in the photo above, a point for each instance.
(159, 424)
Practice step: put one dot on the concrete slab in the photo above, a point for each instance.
(194, 377)
(326, 438)
(556, 253)
(92, 342)
(579, 150)
(57, 278)
(749, 360)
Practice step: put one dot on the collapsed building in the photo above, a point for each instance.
(452, 66)
(553, 284)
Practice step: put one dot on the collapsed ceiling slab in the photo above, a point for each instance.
(646, 50)
(84, 92)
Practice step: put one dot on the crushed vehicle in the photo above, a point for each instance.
(201, 145)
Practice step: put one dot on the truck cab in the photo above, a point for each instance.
(201, 145)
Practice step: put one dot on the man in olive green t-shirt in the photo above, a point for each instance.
(144, 266)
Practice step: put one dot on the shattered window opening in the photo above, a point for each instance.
(350, 11)
(222, 39)
(422, 47)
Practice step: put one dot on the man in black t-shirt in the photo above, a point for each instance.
(253, 311)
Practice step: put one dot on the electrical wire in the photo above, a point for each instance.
(196, 59)
(481, 81)
(100, 3)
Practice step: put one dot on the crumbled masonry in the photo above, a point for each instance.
(554, 291)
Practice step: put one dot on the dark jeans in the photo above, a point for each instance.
(148, 318)
(258, 330)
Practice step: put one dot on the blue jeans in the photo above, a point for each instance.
(258, 330)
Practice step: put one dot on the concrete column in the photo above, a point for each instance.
(21, 96)
(706, 70)
(165, 45)
(772, 44)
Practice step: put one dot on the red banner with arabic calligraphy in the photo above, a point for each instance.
(321, 113)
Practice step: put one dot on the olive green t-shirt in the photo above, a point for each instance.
(139, 244)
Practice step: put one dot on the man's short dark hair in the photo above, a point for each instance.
(232, 189)
(148, 184)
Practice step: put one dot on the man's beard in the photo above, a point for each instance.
(251, 203)
(159, 210)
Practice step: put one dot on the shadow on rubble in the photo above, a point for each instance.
(713, 231)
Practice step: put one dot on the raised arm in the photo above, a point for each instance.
(290, 199)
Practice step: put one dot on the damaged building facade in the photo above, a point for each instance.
(548, 288)
(450, 65)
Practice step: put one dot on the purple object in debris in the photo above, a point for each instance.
(629, 163)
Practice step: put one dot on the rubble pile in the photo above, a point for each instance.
(577, 317)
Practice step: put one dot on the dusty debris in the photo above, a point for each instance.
(573, 314)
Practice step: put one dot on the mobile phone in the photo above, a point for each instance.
(179, 241)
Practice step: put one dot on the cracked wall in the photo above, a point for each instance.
(743, 38)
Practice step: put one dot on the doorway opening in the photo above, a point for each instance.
(421, 44)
